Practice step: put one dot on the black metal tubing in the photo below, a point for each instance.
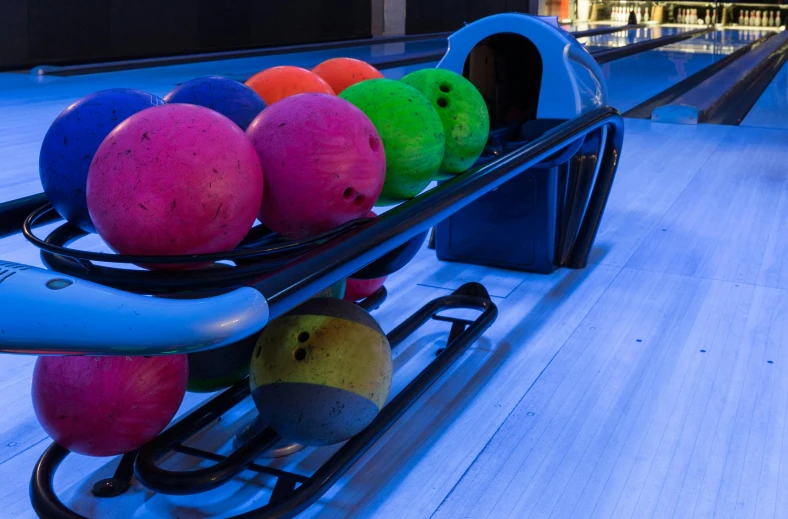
(14, 212)
(607, 55)
(42, 492)
(287, 500)
(644, 109)
(343, 255)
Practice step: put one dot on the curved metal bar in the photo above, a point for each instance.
(42, 492)
(283, 247)
(201, 480)
(611, 155)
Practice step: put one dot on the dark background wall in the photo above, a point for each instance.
(53, 32)
(449, 15)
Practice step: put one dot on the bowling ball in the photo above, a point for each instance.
(336, 290)
(105, 406)
(321, 373)
(174, 179)
(232, 99)
(411, 131)
(323, 160)
(71, 142)
(277, 83)
(358, 289)
(220, 368)
(463, 113)
(341, 73)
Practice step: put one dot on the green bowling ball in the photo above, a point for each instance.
(321, 373)
(463, 112)
(411, 131)
(220, 368)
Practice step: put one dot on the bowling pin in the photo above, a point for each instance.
(639, 14)
(764, 20)
(757, 19)
(645, 15)
(777, 21)
(694, 16)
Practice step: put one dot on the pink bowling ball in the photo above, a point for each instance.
(323, 163)
(358, 289)
(174, 179)
(105, 406)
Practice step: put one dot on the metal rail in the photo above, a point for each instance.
(293, 493)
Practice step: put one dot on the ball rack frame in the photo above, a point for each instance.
(301, 272)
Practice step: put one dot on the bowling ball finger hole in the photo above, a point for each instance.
(303, 336)
(258, 351)
(374, 143)
(360, 199)
(299, 354)
(445, 87)
(443, 102)
(348, 193)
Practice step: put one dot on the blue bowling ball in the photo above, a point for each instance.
(71, 142)
(232, 99)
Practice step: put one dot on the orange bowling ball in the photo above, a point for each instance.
(277, 83)
(341, 73)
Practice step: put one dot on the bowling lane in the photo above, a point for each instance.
(586, 26)
(634, 79)
(770, 109)
(628, 37)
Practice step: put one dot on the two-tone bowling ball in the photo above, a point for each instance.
(321, 373)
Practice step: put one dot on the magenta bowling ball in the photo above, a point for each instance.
(174, 179)
(105, 406)
(323, 163)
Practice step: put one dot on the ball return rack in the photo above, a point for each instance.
(268, 279)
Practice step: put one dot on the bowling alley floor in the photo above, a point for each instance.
(653, 383)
